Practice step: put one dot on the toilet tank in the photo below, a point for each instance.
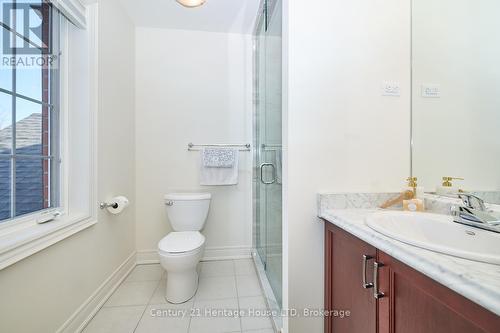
(187, 211)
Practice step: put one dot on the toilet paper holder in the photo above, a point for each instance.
(104, 205)
(115, 205)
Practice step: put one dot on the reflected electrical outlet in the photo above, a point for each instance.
(391, 89)
(431, 90)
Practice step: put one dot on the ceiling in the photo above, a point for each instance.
(234, 16)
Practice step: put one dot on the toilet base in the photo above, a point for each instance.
(182, 274)
(181, 286)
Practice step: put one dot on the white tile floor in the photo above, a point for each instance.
(139, 305)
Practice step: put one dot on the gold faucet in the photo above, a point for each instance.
(447, 181)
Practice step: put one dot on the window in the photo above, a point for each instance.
(29, 108)
(48, 106)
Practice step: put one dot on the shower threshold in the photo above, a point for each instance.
(271, 301)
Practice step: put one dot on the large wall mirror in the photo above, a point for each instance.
(456, 96)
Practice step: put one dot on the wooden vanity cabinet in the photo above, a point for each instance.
(411, 302)
(343, 289)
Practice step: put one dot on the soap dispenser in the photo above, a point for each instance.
(447, 188)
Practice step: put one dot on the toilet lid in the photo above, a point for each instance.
(183, 241)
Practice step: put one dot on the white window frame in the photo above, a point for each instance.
(24, 236)
(53, 154)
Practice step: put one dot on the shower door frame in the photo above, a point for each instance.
(257, 86)
(259, 46)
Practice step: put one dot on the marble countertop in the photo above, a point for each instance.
(479, 282)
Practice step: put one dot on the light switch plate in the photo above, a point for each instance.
(391, 89)
(431, 90)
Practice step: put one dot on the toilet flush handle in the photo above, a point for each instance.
(169, 203)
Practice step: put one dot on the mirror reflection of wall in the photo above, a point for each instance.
(456, 95)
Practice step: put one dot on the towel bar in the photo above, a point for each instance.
(243, 147)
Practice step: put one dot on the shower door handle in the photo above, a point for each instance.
(262, 166)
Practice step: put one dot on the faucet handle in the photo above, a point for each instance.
(447, 181)
(412, 182)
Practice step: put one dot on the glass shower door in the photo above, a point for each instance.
(269, 147)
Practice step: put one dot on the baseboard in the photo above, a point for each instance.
(227, 253)
(211, 254)
(147, 257)
(82, 316)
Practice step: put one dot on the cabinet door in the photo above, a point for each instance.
(414, 303)
(344, 283)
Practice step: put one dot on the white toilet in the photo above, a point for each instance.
(181, 250)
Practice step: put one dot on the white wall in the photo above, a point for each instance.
(41, 292)
(192, 87)
(342, 134)
(457, 46)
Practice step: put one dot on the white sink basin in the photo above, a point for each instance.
(438, 233)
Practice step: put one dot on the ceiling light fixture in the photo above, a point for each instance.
(191, 3)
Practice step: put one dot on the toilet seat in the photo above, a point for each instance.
(181, 242)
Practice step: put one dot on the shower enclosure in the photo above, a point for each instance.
(267, 177)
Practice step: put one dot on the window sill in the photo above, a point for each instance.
(20, 243)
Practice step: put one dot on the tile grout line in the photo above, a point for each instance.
(131, 282)
(144, 311)
(263, 296)
(237, 295)
(194, 299)
(129, 305)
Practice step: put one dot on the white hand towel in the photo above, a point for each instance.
(218, 175)
(219, 157)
